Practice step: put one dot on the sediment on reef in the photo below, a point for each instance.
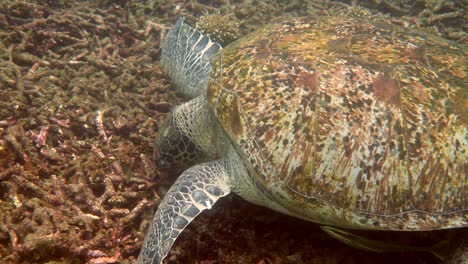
(82, 95)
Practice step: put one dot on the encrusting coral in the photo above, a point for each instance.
(220, 28)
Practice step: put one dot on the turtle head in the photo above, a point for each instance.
(173, 150)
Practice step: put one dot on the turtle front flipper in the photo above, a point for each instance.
(186, 55)
(197, 189)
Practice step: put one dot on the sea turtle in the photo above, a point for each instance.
(340, 121)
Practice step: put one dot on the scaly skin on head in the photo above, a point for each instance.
(173, 150)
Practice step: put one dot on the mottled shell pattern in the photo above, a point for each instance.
(367, 118)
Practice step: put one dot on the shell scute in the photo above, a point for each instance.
(367, 118)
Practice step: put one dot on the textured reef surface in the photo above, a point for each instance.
(82, 95)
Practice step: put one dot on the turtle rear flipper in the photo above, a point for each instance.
(197, 189)
(186, 56)
(440, 249)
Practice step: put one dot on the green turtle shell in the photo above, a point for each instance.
(355, 119)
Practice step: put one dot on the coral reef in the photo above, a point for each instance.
(219, 28)
(446, 18)
(81, 97)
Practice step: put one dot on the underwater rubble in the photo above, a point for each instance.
(82, 95)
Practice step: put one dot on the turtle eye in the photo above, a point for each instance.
(162, 163)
